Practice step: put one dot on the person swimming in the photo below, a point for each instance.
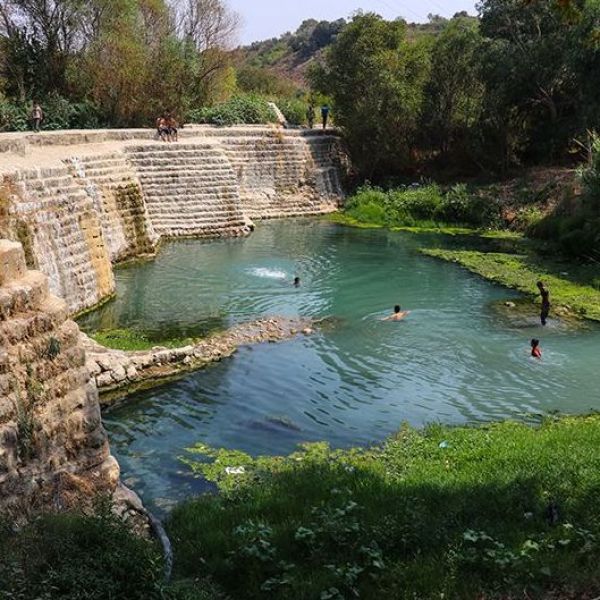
(545, 294)
(536, 351)
(398, 315)
(296, 281)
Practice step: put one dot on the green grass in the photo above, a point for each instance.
(342, 218)
(574, 287)
(132, 340)
(71, 556)
(440, 513)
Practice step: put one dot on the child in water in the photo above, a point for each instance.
(536, 351)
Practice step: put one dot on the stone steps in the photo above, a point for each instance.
(190, 189)
(187, 177)
(197, 153)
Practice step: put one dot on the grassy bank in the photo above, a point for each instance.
(425, 227)
(492, 512)
(441, 513)
(576, 288)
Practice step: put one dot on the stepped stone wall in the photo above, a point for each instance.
(81, 201)
(61, 230)
(114, 187)
(190, 189)
(53, 448)
(286, 176)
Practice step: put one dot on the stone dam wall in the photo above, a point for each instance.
(54, 450)
(79, 202)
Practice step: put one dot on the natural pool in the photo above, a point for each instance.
(456, 359)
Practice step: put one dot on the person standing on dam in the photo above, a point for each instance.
(37, 116)
(325, 115)
(310, 115)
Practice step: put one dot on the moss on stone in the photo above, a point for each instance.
(131, 210)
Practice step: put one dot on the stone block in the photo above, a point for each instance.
(12, 261)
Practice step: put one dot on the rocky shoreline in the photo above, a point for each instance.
(117, 372)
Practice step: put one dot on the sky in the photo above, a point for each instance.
(264, 19)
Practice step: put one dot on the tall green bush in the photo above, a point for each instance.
(59, 113)
(421, 205)
(241, 109)
(293, 109)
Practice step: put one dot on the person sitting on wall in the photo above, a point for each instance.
(162, 129)
(398, 315)
(172, 126)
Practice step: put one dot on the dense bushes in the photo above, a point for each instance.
(75, 557)
(246, 108)
(131, 58)
(293, 109)
(576, 235)
(576, 228)
(507, 89)
(59, 113)
(422, 205)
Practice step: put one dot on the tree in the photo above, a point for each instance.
(377, 81)
(533, 95)
(207, 28)
(40, 37)
(455, 91)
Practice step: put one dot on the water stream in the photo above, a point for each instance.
(456, 359)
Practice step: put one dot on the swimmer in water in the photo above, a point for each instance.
(398, 315)
(296, 281)
(536, 351)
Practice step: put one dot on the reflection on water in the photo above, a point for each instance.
(454, 360)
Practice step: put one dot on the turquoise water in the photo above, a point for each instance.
(456, 359)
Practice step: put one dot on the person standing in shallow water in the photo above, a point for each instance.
(536, 351)
(545, 294)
